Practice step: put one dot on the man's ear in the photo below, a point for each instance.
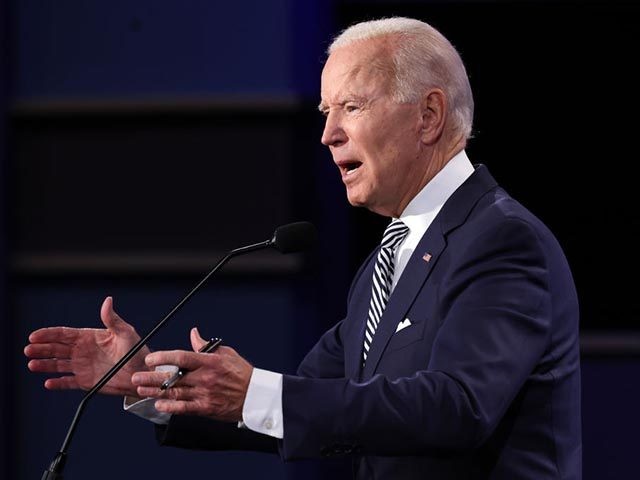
(434, 115)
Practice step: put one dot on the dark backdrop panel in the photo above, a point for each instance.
(5, 326)
(610, 399)
(157, 182)
(147, 48)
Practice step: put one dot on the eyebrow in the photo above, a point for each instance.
(349, 98)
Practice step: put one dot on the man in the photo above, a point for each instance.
(458, 357)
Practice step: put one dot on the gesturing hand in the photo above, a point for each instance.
(215, 385)
(87, 354)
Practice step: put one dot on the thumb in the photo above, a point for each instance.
(110, 318)
(197, 342)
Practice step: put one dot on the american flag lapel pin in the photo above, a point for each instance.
(426, 257)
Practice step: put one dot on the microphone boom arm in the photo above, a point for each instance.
(57, 465)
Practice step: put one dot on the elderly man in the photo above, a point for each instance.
(458, 357)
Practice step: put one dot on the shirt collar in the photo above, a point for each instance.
(423, 208)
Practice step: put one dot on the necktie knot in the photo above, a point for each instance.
(394, 234)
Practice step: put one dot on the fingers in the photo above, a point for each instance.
(50, 366)
(181, 398)
(197, 342)
(48, 350)
(188, 360)
(215, 384)
(62, 383)
(110, 318)
(175, 406)
(197, 403)
(54, 335)
(148, 385)
(149, 379)
(173, 393)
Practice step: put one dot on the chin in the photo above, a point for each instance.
(355, 200)
(378, 209)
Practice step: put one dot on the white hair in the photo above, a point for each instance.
(422, 58)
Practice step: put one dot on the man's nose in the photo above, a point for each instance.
(333, 133)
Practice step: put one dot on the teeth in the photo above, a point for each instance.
(352, 168)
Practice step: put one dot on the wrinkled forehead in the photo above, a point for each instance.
(361, 65)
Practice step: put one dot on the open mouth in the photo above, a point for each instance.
(351, 167)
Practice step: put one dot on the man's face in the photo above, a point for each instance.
(374, 141)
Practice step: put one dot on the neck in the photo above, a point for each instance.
(433, 165)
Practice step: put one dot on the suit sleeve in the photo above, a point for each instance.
(326, 358)
(199, 433)
(496, 317)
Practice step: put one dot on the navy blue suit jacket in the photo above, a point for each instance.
(484, 384)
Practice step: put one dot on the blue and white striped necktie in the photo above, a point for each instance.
(382, 278)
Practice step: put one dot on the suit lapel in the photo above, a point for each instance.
(454, 213)
(415, 274)
(354, 338)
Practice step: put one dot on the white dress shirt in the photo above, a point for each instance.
(262, 410)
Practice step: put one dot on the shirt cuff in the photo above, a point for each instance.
(262, 410)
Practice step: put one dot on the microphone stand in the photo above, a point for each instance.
(57, 465)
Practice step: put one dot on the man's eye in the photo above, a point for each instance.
(351, 107)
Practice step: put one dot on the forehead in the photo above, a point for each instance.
(357, 68)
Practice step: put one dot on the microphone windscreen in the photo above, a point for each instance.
(294, 237)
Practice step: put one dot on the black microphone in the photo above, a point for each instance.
(290, 238)
(294, 237)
